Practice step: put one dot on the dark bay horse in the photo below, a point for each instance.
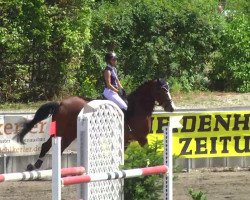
(141, 103)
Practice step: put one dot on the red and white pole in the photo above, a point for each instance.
(40, 175)
(161, 169)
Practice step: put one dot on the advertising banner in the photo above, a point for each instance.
(203, 134)
(207, 134)
(11, 124)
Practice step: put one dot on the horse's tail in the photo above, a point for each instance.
(46, 110)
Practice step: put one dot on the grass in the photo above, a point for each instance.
(182, 100)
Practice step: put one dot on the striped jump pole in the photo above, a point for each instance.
(161, 169)
(38, 175)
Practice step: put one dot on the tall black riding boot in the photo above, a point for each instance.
(126, 119)
(125, 114)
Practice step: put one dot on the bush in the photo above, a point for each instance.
(153, 39)
(231, 71)
(51, 48)
(197, 195)
(41, 44)
(148, 187)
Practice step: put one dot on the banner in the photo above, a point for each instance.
(207, 134)
(11, 124)
(204, 134)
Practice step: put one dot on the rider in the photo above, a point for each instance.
(113, 86)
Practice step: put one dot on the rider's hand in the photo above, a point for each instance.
(122, 92)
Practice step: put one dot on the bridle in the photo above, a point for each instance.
(164, 104)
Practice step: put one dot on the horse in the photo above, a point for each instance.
(141, 103)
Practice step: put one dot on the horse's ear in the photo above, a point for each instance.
(159, 82)
(165, 79)
(161, 79)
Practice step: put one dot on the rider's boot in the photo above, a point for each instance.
(126, 119)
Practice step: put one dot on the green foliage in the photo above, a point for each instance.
(148, 187)
(41, 43)
(153, 39)
(231, 71)
(56, 48)
(197, 195)
(239, 6)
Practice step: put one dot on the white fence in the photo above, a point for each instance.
(100, 138)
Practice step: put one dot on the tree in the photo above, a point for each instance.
(42, 45)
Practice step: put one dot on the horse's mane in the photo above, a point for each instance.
(139, 88)
(134, 95)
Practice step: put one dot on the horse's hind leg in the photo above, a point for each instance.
(45, 148)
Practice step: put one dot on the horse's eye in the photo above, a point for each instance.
(165, 87)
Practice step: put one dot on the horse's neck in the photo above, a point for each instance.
(141, 103)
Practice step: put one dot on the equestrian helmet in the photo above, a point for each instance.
(109, 56)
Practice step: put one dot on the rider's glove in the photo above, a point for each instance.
(122, 92)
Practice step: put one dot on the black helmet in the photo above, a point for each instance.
(109, 56)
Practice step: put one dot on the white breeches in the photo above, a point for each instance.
(113, 96)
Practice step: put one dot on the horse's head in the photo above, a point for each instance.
(163, 97)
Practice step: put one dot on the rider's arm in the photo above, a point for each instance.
(107, 77)
(119, 84)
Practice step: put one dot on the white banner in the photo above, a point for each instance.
(9, 127)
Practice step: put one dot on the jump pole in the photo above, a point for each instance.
(39, 175)
(168, 160)
(131, 173)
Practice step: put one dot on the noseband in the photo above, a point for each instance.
(165, 87)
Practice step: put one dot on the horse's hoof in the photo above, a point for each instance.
(30, 167)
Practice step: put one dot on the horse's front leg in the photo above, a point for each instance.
(45, 148)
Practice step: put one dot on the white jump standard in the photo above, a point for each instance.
(101, 151)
